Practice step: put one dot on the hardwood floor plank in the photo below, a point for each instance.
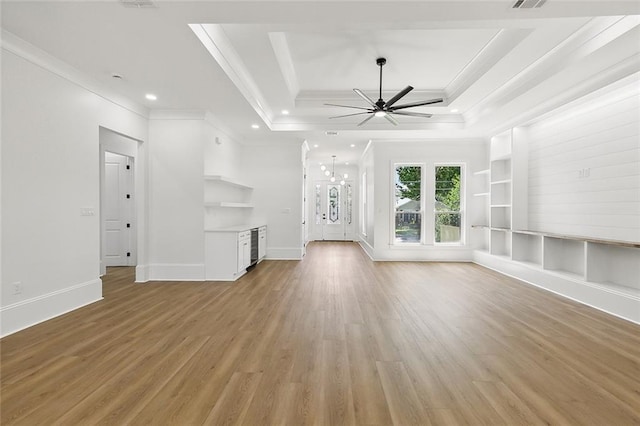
(404, 405)
(233, 404)
(332, 339)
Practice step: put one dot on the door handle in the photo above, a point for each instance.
(324, 216)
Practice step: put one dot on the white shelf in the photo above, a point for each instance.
(501, 205)
(482, 172)
(497, 182)
(228, 204)
(226, 180)
(481, 194)
(502, 157)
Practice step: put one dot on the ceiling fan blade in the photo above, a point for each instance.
(349, 106)
(391, 119)
(349, 115)
(416, 104)
(365, 120)
(412, 114)
(365, 97)
(398, 96)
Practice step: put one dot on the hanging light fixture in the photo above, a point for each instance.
(332, 174)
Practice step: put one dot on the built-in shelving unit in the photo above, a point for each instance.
(482, 191)
(226, 201)
(599, 272)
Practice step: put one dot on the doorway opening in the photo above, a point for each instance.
(120, 183)
(333, 218)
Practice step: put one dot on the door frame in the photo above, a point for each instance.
(117, 143)
(349, 229)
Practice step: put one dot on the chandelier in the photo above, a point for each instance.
(332, 174)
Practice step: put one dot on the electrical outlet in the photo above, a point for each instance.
(17, 288)
(87, 211)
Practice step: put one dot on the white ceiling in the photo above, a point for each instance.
(247, 61)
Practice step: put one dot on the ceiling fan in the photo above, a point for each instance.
(388, 108)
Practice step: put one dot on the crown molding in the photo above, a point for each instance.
(499, 45)
(196, 115)
(215, 40)
(27, 51)
(585, 41)
(285, 61)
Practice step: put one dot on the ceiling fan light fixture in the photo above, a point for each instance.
(386, 109)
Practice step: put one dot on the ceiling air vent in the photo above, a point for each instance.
(139, 4)
(528, 4)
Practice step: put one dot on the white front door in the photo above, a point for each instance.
(118, 210)
(333, 218)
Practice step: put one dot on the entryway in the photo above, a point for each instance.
(332, 204)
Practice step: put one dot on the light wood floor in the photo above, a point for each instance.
(333, 339)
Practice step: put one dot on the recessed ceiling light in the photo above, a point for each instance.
(255, 126)
(315, 145)
(346, 163)
(353, 145)
(454, 110)
(285, 112)
(151, 96)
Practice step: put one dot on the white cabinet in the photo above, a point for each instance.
(228, 251)
(244, 250)
(262, 242)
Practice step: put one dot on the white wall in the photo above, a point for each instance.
(471, 153)
(50, 170)
(275, 172)
(366, 165)
(584, 168)
(176, 185)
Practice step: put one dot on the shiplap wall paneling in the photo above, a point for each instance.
(584, 170)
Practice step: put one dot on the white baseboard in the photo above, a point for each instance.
(27, 313)
(284, 253)
(142, 273)
(418, 254)
(174, 272)
(367, 248)
(621, 305)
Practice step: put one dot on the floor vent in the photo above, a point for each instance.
(528, 4)
(138, 4)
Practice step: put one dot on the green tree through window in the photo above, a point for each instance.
(447, 204)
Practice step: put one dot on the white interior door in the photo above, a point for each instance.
(333, 211)
(118, 210)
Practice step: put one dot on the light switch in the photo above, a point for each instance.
(87, 211)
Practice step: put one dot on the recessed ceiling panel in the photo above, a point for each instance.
(425, 59)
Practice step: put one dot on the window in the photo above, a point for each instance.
(448, 213)
(408, 204)
(333, 199)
